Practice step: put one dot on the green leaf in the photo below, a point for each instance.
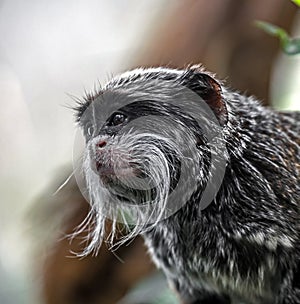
(292, 46)
(273, 30)
(297, 2)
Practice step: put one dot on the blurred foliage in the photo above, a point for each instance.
(152, 290)
(290, 46)
(296, 2)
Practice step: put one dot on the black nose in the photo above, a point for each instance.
(101, 144)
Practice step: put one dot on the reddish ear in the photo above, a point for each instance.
(211, 92)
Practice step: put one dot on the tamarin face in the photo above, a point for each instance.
(147, 139)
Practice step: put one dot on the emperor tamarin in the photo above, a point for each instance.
(209, 177)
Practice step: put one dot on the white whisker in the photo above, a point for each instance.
(63, 184)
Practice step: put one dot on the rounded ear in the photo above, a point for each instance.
(209, 90)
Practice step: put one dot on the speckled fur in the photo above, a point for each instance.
(244, 247)
(246, 243)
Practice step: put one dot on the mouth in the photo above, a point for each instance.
(121, 182)
(125, 171)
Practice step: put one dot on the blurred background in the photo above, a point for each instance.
(52, 50)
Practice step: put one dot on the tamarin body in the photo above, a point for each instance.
(240, 246)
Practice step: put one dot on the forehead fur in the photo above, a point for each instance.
(183, 77)
(159, 73)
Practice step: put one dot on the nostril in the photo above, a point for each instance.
(101, 144)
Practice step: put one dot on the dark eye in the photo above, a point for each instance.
(117, 119)
(90, 131)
